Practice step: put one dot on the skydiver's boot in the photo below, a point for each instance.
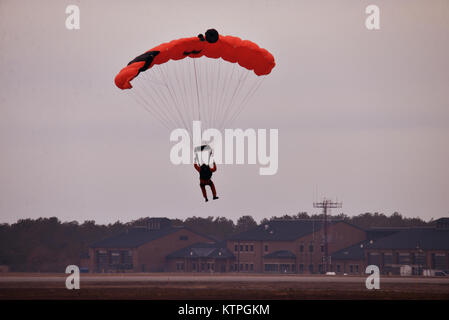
(206, 199)
(215, 198)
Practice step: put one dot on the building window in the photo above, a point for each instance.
(183, 238)
(311, 248)
(127, 257)
(301, 248)
(404, 258)
(236, 267)
(284, 268)
(236, 247)
(246, 248)
(301, 268)
(251, 248)
(194, 266)
(246, 267)
(388, 258)
(241, 247)
(338, 268)
(351, 268)
(241, 266)
(180, 266)
(374, 258)
(266, 248)
(420, 259)
(322, 248)
(357, 268)
(115, 257)
(439, 261)
(311, 268)
(269, 267)
(251, 267)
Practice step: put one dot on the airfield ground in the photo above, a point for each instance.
(223, 286)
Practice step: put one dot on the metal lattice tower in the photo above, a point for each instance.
(325, 205)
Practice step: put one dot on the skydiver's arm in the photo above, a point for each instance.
(214, 168)
(197, 167)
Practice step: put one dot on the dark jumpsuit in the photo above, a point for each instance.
(208, 182)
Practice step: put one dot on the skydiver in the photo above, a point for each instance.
(205, 172)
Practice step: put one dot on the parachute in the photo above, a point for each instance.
(171, 81)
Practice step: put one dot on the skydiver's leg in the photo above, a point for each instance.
(214, 191)
(203, 190)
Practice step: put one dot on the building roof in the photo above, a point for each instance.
(442, 223)
(354, 252)
(281, 254)
(134, 237)
(442, 220)
(427, 238)
(380, 232)
(203, 250)
(282, 230)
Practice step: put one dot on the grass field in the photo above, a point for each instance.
(237, 286)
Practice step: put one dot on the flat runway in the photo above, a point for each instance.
(130, 278)
(218, 286)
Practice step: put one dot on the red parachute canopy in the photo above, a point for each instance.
(232, 49)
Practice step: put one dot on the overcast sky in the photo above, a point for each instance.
(362, 115)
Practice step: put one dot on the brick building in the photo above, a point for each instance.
(290, 246)
(419, 247)
(142, 249)
(278, 246)
(201, 257)
(350, 260)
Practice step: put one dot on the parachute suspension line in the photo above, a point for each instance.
(212, 91)
(215, 96)
(144, 104)
(159, 94)
(183, 93)
(144, 90)
(224, 92)
(238, 110)
(153, 92)
(204, 76)
(172, 97)
(206, 83)
(197, 92)
(208, 92)
(200, 88)
(228, 109)
(236, 98)
(177, 94)
(247, 98)
(192, 103)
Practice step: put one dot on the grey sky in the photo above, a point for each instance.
(362, 115)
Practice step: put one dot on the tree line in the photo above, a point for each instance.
(49, 245)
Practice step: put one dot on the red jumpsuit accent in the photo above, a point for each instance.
(204, 183)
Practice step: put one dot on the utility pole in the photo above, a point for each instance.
(325, 205)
